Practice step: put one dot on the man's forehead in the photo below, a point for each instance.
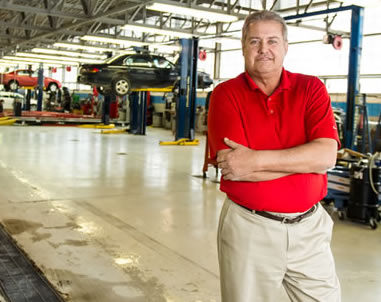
(254, 36)
(265, 29)
(267, 25)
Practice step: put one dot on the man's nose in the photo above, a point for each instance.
(262, 47)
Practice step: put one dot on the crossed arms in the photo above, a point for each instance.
(239, 163)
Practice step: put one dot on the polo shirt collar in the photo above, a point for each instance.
(284, 84)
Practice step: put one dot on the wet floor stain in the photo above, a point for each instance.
(68, 225)
(152, 289)
(75, 287)
(69, 242)
(39, 237)
(190, 287)
(17, 226)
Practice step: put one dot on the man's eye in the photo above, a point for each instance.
(272, 42)
(254, 42)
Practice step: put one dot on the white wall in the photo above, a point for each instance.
(322, 59)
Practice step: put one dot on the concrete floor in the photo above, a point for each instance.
(120, 218)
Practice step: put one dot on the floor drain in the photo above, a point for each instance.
(20, 281)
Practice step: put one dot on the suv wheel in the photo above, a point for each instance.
(13, 85)
(101, 90)
(121, 86)
(53, 87)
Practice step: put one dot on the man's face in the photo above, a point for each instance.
(264, 48)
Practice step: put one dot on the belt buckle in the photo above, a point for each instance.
(287, 220)
(300, 217)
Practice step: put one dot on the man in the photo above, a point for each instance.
(274, 136)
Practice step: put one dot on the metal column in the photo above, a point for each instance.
(354, 63)
(353, 88)
(40, 87)
(106, 110)
(186, 99)
(138, 112)
(217, 54)
(27, 99)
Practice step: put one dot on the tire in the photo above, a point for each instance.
(121, 86)
(373, 223)
(327, 201)
(102, 91)
(53, 87)
(13, 85)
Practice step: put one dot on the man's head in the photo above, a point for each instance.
(264, 43)
(264, 15)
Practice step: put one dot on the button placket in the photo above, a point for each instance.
(270, 105)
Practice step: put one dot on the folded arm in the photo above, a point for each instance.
(240, 163)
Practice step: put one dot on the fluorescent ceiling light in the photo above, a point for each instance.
(8, 63)
(160, 31)
(66, 53)
(72, 59)
(113, 41)
(208, 14)
(21, 64)
(36, 60)
(80, 46)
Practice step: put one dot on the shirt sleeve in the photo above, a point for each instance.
(224, 120)
(320, 121)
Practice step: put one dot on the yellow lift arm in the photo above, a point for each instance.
(181, 142)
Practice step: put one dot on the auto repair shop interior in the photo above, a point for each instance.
(107, 190)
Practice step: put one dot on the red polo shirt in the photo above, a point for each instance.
(297, 112)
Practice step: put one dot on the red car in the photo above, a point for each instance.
(26, 78)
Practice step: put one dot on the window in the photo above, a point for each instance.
(162, 63)
(138, 61)
(25, 73)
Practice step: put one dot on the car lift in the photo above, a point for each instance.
(354, 63)
(40, 87)
(185, 105)
(186, 95)
(138, 112)
(106, 109)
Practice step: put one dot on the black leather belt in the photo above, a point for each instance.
(283, 219)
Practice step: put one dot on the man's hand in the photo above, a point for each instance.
(237, 161)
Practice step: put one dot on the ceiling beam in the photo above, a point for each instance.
(40, 11)
(87, 20)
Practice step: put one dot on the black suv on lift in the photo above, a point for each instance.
(119, 74)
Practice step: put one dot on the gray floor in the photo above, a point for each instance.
(120, 218)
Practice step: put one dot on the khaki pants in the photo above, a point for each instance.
(258, 255)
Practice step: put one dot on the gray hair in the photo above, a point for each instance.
(264, 15)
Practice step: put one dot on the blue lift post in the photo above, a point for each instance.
(354, 63)
(138, 112)
(27, 99)
(354, 74)
(40, 87)
(28, 95)
(106, 109)
(186, 100)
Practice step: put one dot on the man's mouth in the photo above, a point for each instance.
(264, 59)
